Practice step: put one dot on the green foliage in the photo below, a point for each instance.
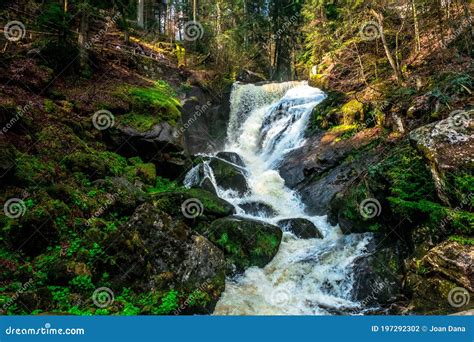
(462, 240)
(164, 185)
(169, 303)
(82, 283)
(325, 114)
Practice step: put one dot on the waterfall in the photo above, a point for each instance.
(307, 276)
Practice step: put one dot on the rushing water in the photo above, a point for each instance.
(306, 277)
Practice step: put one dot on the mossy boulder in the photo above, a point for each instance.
(448, 146)
(208, 205)
(352, 112)
(302, 228)
(441, 282)
(378, 276)
(229, 176)
(145, 172)
(122, 195)
(245, 242)
(96, 164)
(231, 157)
(153, 252)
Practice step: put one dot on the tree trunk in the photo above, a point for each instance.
(390, 58)
(83, 38)
(417, 28)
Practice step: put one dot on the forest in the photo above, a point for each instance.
(241, 157)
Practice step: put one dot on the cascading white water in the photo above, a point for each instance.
(311, 276)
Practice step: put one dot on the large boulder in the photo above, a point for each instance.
(160, 145)
(318, 169)
(377, 276)
(124, 196)
(204, 120)
(258, 209)
(448, 145)
(443, 280)
(193, 204)
(231, 157)
(302, 228)
(245, 242)
(229, 176)
(153, 252)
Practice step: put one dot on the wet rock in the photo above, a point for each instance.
(318, 171)
(245, 242)
(258, 209)
(247, 76)
(321, 153)
(203, 116)
(206, 184)
(377, 277)
(229, 176)
(302, 228)
(231, 157)
(159, 253)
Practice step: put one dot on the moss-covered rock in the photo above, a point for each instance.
(209, 206)
(441, 282)
(245, 242)
(229, 176)
(145, 172)
(96, 164)
(352, 112)
(162, 254)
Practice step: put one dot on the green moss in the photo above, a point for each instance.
(462, 240)
(150, 106)
(32, 170)
(96, 164)
(325, 114)
(352, 112)
(141, 122)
